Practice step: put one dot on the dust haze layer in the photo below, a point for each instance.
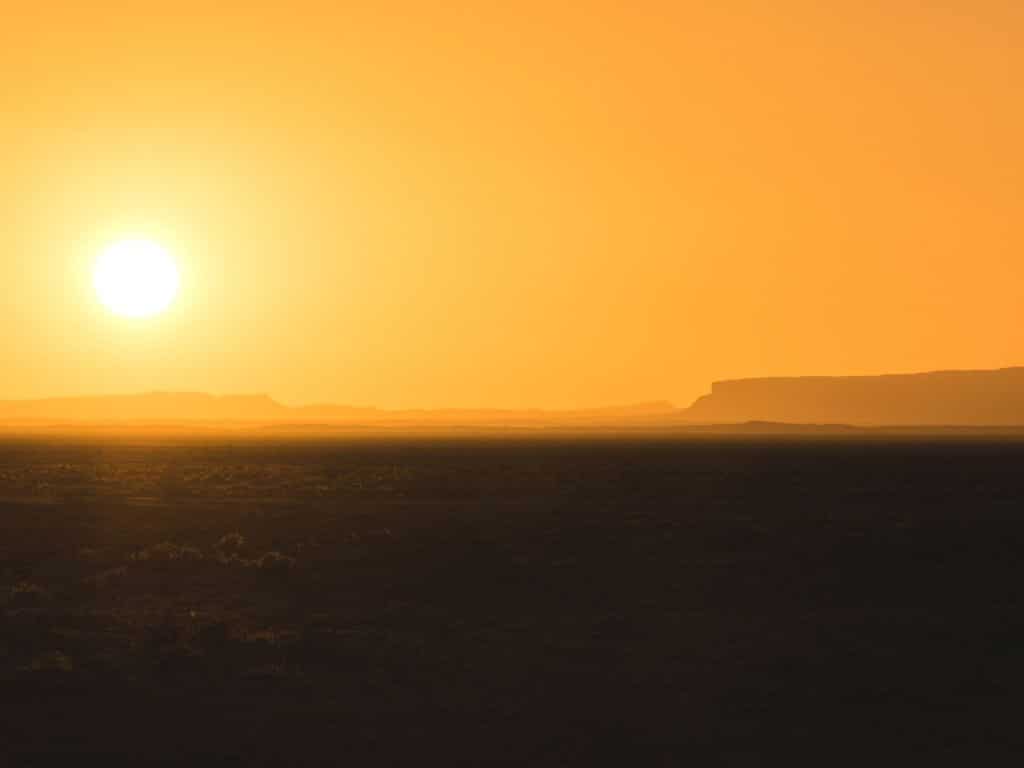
(198, 407)
(946, 398)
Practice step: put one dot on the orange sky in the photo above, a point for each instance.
(528, 204)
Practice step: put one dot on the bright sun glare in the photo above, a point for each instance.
(136, 278)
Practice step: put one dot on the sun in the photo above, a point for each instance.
(136, 278)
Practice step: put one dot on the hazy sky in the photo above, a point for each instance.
(510, 204)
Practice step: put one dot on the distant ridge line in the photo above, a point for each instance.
(946, 398)
(975, 398)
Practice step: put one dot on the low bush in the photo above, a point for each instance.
(167, 552)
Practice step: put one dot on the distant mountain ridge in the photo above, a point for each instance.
(993, 398)
(990, 398)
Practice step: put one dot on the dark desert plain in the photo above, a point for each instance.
(729, 596)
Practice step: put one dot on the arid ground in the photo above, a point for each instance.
(520, 602)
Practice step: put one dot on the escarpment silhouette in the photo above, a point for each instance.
(942, 398)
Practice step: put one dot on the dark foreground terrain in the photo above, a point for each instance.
(525, 603)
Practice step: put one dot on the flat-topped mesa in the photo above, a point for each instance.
(942, 398)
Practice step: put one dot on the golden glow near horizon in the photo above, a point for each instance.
(420, 204)
(136, 278)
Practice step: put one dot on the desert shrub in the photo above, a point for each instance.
(27, 588)
(232, 549)
(274, 561)
(267, 672)
(108, 576)
(213, 637)
(167, 552)
(54, 661)
(163, 633)
(91, 554)
(25, 594)
(231, 545)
